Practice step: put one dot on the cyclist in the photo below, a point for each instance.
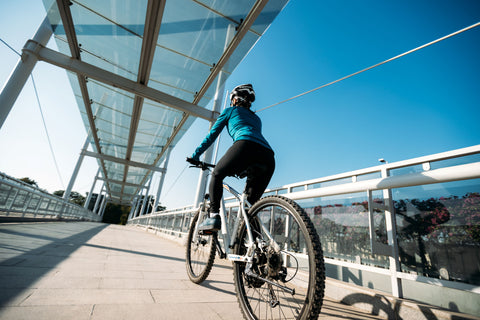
(250, 155)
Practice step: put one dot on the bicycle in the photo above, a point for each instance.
(278, 265)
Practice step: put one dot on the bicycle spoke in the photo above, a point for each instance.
(260, 300)
(200, 253)
(282, 285)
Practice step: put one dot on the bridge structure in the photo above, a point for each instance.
(400, 239)
(68, 267)
(86, 270)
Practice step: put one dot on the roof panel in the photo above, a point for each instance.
(102, 37)
(178, 72)
(187, 39)
(193, 30)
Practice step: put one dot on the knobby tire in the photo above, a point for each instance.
(200, 253)
(255, 296)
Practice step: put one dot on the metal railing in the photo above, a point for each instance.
(369, 212)
(23, 201)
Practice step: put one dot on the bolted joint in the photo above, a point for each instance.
(31, 47)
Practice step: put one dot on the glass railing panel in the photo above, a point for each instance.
(455, 161)
(406, 170)
(369, 176)
(342, 224)
(438, 230)
(329, 183)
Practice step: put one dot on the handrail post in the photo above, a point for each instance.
(392, 239)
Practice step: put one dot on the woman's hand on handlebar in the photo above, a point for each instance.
(199, 164)
(193, 162)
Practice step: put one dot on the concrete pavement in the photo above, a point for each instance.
(83, 270)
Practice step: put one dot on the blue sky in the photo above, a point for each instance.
(421, 104)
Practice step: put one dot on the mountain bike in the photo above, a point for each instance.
(278, 265)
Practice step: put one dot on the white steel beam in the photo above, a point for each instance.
(146, 199)
(162, 179)
(153, 21)
(97, 202)
(89, 197)
(68, 191)
(127, 184)
(232, 46)
(122, 161)
(216, 69)
(217, 106)
(21, 73)
(90, 71)
(69, 27)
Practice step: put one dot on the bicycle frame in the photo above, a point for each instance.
(262, 266)
(248, 257)
(229, 238)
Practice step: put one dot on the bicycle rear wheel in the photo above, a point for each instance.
(200, 252)
(295, 264)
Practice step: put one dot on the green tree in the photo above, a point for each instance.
(29, 181)
(116, 213)
(75, 197)
(59, 193)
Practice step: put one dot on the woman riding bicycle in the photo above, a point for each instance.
(250, 155)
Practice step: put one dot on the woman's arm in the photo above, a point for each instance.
(213, 134)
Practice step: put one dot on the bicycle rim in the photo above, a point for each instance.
(200, 253)
(302, 263)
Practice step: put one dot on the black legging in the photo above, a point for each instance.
(239, 157)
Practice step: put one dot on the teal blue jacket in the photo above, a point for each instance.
(242, 124)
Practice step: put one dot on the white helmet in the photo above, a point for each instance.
(244, 93)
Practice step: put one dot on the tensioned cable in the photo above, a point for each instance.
(374, 66)
(43, 118)
(48, 136)
(175, 182)
(10, 47)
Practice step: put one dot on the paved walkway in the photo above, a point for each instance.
(59, 270)
(83, 270)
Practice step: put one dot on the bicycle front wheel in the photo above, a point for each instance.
(200, 252)
(287, 277)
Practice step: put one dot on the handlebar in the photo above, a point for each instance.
(199, 164)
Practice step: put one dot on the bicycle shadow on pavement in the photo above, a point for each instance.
(380, 305)
(378, 302)
(212, 284)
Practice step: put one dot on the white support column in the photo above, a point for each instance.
(23, 70)
(102, 206)
(97, 202)
(217, 104)
(162, 179)
(89, 197)
(132, 209)
(145, 200)
(137, 206)
(66, 195)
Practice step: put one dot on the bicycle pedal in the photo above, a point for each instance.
(206, 232)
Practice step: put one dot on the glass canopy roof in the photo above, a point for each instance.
(178, 48)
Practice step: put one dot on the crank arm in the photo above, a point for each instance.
(249, 273)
